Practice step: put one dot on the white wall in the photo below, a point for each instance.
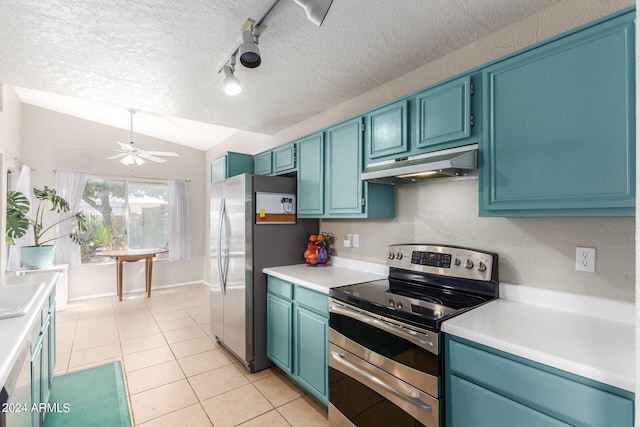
(536, 252)
(48, 144)
(10, 149)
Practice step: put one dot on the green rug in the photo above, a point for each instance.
(91, 397)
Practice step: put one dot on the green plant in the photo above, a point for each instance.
(18, 220)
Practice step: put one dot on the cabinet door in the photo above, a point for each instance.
(559, 131)
(47, 374)
(311, 175)
(280, 332)
(344, 164)
(387, 130)
(36, 380)
(284, 158)
(263, 163)
(443, 113)
(311, 352)
(219, 169)
(51, 357)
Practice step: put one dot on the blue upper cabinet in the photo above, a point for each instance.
(230, 164)
(262, 163)
(559, 130)
(329, 183)
(386, 130)
(278, 161)
(311, 175)
(443, 113)
(284, 158)
(344, 164)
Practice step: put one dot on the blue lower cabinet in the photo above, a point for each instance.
(297, 335)
(311, 352)
(486, 387)
(280, 332)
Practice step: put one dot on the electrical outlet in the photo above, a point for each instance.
(347, 241)
(355, 240)
(586, 259)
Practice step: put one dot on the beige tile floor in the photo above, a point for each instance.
(175, 372)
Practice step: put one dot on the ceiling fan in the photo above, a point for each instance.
(130, 153)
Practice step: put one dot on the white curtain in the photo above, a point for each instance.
(69, 186)
(178, 224)
(23, 186)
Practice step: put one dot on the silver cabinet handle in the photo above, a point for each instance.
(367, 377)
(393, 329)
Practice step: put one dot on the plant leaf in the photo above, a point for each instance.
(17, 220)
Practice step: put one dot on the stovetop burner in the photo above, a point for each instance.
(427, 284)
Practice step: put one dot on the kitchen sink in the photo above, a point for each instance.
(15, 298)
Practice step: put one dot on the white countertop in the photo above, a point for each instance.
(15, 332)
(571, 339)
(339, 272)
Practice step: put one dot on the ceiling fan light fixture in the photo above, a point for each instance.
(139, 160)
(316, 10)
(128, 160)
(249, 52)
(231, 83)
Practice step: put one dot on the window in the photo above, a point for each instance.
(123, 214)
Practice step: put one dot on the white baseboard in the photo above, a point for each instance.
(137, 290)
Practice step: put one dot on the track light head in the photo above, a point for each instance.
(231, 83)
(316, 10)
(249, 52)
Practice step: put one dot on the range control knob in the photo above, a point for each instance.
(391, 255)
(399, 305)
(482, 267)
(457, 262)
(468, 264)
(391, 303)
(399, 255)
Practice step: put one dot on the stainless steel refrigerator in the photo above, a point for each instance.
(253, 226)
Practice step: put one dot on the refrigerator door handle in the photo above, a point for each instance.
(221, 273)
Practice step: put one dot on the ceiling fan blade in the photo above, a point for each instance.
(147, 156)
(96, 149)
(117, 156)
(163, 153)
(123, 146)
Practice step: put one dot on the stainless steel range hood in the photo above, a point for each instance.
(460, 162)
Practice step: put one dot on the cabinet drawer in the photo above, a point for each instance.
(568, 398)
(475, 406)
(313, 300)
(280, 287)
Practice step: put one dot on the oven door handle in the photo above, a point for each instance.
(396, 330)
(361, 374)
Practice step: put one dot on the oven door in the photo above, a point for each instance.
(381, 372)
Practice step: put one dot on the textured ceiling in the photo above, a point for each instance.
(161, 56)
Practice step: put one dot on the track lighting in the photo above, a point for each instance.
(249, 52)
(247, 49)
(231, 83)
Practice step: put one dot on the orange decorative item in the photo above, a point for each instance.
(319, 249)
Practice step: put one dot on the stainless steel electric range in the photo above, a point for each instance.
(385, 352)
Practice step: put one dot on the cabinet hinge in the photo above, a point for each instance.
(472, 120)
(472, 90)
(363, 202)
(295, 153)
(363, 127)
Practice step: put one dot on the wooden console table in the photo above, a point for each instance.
(129, 255)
